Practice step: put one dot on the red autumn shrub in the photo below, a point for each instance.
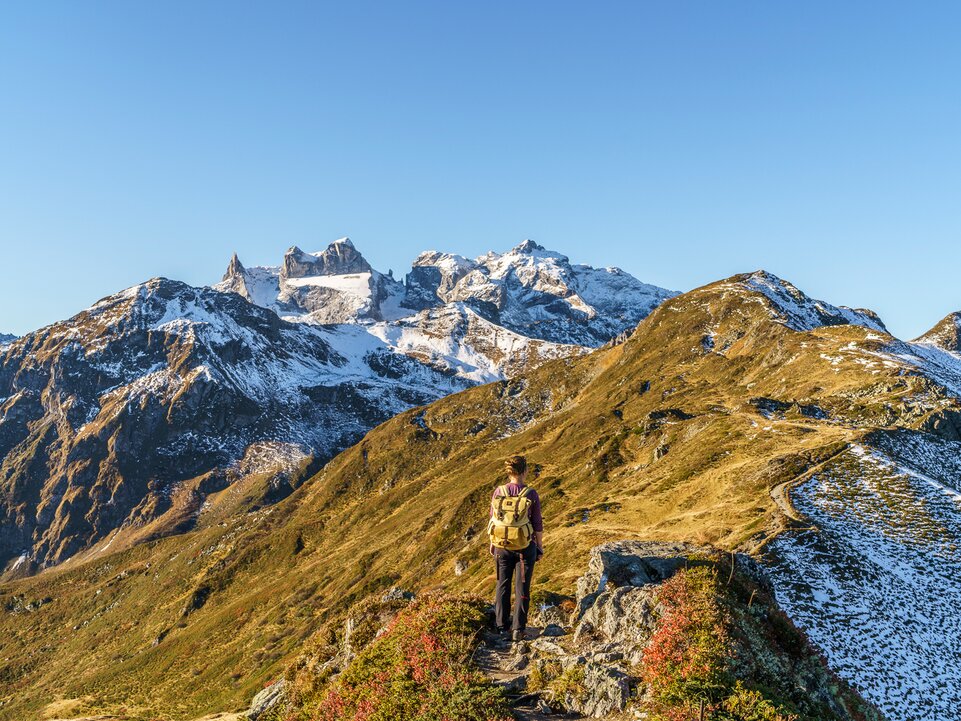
(685, 664)
(419, 668)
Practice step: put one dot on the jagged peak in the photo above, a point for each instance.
(296, 252)
(339, 258)
(446, 261)
(526, 253)
(527, 246)
(531, 249)
(234, 268)
(946, 334)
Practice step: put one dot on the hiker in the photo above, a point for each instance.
(516, 533)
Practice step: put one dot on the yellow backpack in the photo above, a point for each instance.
(510, 525)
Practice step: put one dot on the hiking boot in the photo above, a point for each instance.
(518, 636)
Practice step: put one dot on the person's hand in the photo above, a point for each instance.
(490, 549)
(540, 552)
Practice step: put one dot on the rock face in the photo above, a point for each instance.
(336, 285)
(629, 564)
(536, 292)
(129, 416)
(6, 338)
(340, 258)
(273, 696)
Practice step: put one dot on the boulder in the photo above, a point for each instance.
(607, 691)
(552, 629)
(549, 614)
(630, 563)
(267, 699)
(622, 618)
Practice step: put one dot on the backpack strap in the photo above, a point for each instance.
(523, 492)
(502, 491)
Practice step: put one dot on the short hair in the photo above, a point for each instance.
(516, 465)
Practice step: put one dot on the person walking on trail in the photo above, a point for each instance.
(516, 532)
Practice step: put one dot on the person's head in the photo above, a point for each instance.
(516, 468)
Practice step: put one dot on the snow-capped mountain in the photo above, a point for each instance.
(536, 292)
(482, 319)
(336, 285)
(129, 416)
(6, 338)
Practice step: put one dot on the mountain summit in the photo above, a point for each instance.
(946, 335)
(800, 311)
(340, 258)
(536, 292)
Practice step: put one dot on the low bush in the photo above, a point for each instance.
(689, 665)
(419, 668)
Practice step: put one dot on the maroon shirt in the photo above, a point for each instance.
(514, 489)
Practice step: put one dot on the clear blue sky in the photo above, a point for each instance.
(682, 141)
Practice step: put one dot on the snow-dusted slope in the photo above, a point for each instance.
(877, 582)
(946, 335)
(132, 410)
(455, 339)
(799, 311)
(6, 338)
(537, 292)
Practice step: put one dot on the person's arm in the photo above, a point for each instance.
(537, 522)
(495, 494)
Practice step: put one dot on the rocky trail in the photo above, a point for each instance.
(507, 664)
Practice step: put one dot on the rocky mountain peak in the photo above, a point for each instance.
(7, 338)
(946, 334)
(527, 246)
(340, 258)
(234, 268)
(798, 310)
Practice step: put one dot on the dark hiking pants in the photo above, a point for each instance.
(509, 564)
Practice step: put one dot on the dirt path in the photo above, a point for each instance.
(781, 493)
